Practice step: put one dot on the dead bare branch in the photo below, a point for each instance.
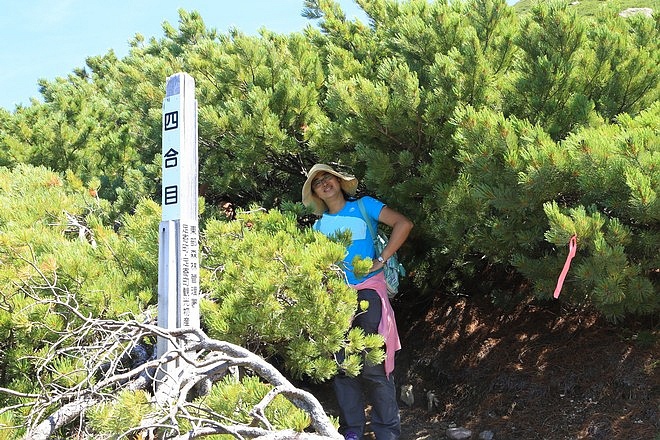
(115, 358)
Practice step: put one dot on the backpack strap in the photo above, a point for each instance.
(366, 219)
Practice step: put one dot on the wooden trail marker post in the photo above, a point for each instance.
(178, 258)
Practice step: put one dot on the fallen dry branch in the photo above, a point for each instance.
(115, 359)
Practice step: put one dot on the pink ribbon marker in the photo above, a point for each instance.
(572, 248)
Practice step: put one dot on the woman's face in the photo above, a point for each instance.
(325, 185)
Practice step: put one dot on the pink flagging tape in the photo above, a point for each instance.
(572, 248)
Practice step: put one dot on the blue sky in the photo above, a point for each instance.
(49, 38)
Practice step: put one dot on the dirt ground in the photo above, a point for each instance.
(536, 372)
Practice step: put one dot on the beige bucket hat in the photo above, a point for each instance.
(348, 185)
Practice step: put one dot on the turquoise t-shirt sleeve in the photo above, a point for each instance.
(373, 207)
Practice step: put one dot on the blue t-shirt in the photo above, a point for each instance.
(350, 218)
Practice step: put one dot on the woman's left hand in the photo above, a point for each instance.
(377, 265)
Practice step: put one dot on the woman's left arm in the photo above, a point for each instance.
(401, 226)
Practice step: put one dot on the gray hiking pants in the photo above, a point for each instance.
(372, 386)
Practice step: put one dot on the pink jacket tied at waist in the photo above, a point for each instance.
(387, 327)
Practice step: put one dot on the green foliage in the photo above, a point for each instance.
(500, 135)
(624, 58)
(279, 291)
(8, 426)
(55, 243)
(256, 112)
(552, 70)
(120, 416)
(476, 180)
(382, 99)
(528, 195)
(237, 399)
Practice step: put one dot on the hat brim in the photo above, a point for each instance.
(347, 182)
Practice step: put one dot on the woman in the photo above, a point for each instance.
(328, 193)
